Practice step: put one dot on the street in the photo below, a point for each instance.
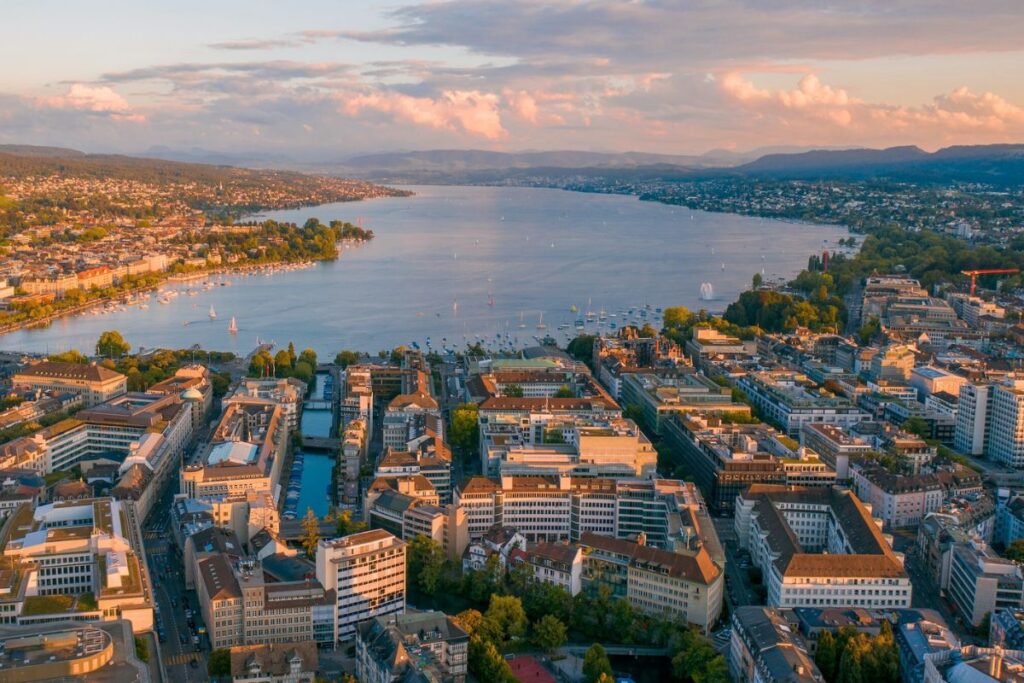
(738, 590)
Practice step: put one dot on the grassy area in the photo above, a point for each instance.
(47, 604)
(87, 602)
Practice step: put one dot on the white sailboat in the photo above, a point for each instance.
(213, 313)
(540, 323)
(233, 327)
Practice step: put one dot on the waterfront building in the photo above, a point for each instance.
(366, 572)
(409, 647)
(819, 547)
(93, 382)
(288, 393)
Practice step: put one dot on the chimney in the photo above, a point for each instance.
(641, 538)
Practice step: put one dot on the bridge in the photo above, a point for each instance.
(321, 443)
(622, 650)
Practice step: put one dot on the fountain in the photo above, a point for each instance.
(707, 292)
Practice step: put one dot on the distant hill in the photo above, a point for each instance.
(36, 151)
(820, 159)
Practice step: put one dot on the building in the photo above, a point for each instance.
(764, 648)
(974, 410)
(658, 396)
(560, 564)
(241, 607)
(819, 547)
(75, 547)
(930, 380)
(295, 662)
(404, 647)
(563, 508)
(899, 500)
(684, 584)
(981, 582)
(403, 412)
(725, 458)
(498, 542)
(94, 383)
(790, 400)
(1006, 434)
(834, 446)
(245, 453)
(975, 664)
(366, 572)
(1006, 629)
(287, 393)
(69, 650)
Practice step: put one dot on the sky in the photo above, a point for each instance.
(323, 80)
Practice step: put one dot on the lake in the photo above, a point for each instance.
(459, 263)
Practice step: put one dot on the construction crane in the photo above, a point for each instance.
(973, 274)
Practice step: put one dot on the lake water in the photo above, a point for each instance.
(457, 263)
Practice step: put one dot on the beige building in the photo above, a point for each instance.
(366, 573)
(94, 382)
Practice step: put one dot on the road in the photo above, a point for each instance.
(739, 591)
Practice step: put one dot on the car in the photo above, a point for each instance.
(194, 663)
(174, 603)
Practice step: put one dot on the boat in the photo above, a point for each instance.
(233, 327)
(521, 323)
(490, 299)
(213, 313)
(540, 323)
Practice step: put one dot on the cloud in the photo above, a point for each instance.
(472, 112)
(96, 99)
(255, 44)
(955, 116)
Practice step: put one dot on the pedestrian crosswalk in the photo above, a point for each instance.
(184, 658)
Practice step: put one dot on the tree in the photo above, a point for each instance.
(303, 371)
(219, 663)
(282, 363)
(310, 532)
(851, 663)
(142, 649)
(345, 526)
(112, 344)
(486, 662)
(512, 391)
(918, 426)
(564, 391)
(757, 281)
(825, 656)
(676, 317)
(582, 347)
(596, 663)
(425, 563)
(549, 633)
(291, 352)
(464, 433)
(469, 620)
(1015, 551)
(69, 356)
(344, 358)
(308, 356)
(506, 616)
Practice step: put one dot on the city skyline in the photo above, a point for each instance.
(326, 81)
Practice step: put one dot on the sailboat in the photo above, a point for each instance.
(521, 323)
(213, 313)
(540, 323)
(490, 299)
(233, 327)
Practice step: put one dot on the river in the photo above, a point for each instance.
(459, 263)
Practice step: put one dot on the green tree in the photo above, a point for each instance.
(112, 344)
(596, 663)
(486, 662)
(344, 358)
(582, 347)
(548, 633)
(469, 620)
(142, 648)
(676, 317)
(303, 371)
(507, 617)
(512, 391)
(219, 663)
(564, 391)
(425, 563)
(757, 281)
(464, 433)
(851, 663)
(291, 353)
(918, 426)
(308, 356)
(825, 656)
(310, 532)
(345, 526)
(69, 356)
(282, 363)
(1015, 551)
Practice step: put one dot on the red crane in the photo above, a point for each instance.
(973, 274)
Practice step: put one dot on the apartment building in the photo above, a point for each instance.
(93, 382)
(819, 547)
(899, 500)
(288, 393)
(563, 508)
(726, 458)
(765, 648)
(366, 571)
(91, 545)
(790, 400)
(686, 583)
(974, 412)
(408, 507)
(245, 453)
(560, 564)
(981, 582)
(660, 396)
(406, 647)
(1006, 434)
(357, 396)
(573, 446)
(834, 446)
(404, 411)
(240, 607)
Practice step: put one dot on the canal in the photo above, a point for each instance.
(312, 471)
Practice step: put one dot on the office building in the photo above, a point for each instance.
(974, 411)
(1006, 434)
(93, 382)
(792, 401)
(981, 582)
(659, 396)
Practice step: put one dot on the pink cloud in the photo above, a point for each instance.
(95, 99)
(523, 104)
(468, 111)
(960, 115)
